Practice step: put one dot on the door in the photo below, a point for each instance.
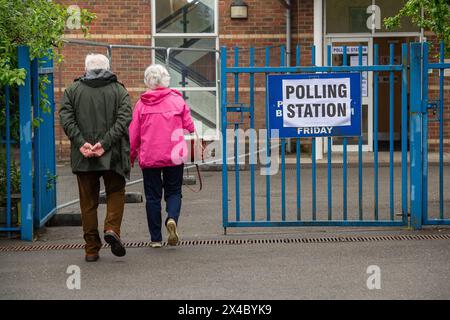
(383, 92)
(352, 45)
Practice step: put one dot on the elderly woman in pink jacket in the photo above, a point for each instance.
(160, 119)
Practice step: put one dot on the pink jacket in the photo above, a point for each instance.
(160, 119)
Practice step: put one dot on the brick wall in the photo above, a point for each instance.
(118, 22)
(129, 22)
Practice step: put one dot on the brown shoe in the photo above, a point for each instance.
(92, 257)
(113, 239)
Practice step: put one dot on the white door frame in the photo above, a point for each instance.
(365, 100)
(318, 43)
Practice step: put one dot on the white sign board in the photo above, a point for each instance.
(316, 102)
(354, 61)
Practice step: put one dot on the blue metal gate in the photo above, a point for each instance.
(36, 201)
(421, 105)
(282, 208)
(236, 111)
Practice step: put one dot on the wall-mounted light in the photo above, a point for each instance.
(239, 10)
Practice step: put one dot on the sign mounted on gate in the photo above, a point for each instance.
(314, 105)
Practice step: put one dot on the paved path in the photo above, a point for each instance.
(409, 270)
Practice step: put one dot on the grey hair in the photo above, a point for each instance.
(156, 75)
(96, 61)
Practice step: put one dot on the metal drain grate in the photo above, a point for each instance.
(240, 242)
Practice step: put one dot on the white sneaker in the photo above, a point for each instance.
(157, 244)
(172, 230)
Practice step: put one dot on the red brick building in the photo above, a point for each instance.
(208, 24)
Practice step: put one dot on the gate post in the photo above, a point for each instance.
(416, 126)
(26, 161)
(223, 99)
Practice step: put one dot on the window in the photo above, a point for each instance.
(184, 16)
(189, 28)
(355, 16)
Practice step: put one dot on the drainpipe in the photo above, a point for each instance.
(288, 33)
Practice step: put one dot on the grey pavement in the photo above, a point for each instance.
(409, 269)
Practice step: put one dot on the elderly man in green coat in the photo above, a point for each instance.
(95, 114)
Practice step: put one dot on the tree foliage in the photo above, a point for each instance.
(38, 24)
(436, 17)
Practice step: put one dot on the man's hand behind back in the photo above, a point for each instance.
(98, 150)
(88, 150)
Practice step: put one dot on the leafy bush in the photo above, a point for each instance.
(40, 25)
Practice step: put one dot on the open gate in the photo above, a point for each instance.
(30, 167)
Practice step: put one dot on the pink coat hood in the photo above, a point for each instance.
(160, 119)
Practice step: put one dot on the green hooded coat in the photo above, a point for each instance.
(97, 108)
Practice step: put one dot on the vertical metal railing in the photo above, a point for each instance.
(298, 155)
(236, 138)
(391, 133)
(252, 135)
(375, 133)
(404, 132)
(8, 160)
(441, 132)
(26, 147)
(329, 157)
(38, 143)
(283, 153)
(424, 137)
(344, 153)
(268, 151)
(360, 156)
(313, 157)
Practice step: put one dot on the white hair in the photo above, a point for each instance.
(96, 61)
(156, 75)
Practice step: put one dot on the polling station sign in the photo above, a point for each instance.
(315, 105)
